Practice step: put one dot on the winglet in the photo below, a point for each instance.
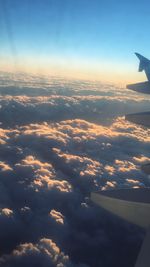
(144, 65)
(140, 57)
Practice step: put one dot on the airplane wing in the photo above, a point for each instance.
(146, 168)
(143, 87)
(143, 259)
(144, 65)
(132, 205)
(142, 118)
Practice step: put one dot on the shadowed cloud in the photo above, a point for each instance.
(53, 152)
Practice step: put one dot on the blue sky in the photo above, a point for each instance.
(79, 34)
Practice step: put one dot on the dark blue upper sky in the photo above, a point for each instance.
(76, 32)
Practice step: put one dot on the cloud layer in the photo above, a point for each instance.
(57, 145)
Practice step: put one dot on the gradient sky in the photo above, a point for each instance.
(96, 38)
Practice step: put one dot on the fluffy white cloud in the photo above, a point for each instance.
(4, 167)
(57, 144)
(44, 253)
(58, 217)
(6, 212)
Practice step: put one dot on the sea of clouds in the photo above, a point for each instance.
(59, 141)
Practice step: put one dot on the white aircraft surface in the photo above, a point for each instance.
(133, 205)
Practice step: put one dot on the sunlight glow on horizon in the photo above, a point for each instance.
(110, 72)
(78, 39)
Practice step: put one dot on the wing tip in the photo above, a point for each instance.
(138, 55)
